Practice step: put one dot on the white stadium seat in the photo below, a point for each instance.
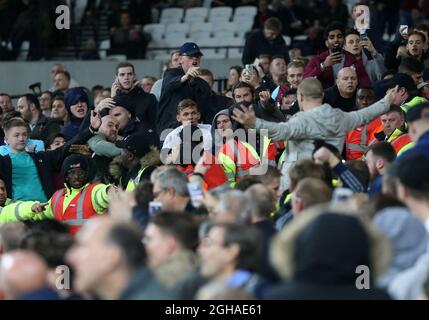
(246, 11)
(220, 14)
(198, 14)
(171, 15)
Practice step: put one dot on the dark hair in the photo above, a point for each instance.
(273, 24)
(351, 31)
(242, 84)
(66, 73)
(248, 240)
(237, 68)
(50, 140)
(384, 150)
(124, 65)
(397, 109)
(129, 240)
(4, 95)
(49, 225)
(10, 114)
(334, 25)
(51, 246)
(58, 97)
(410, 65)
(360, 170)
(31, 98)
(390, 72)
(48, 92)
(180, 225)
(246, 183)
(97, 87)
(144, 193)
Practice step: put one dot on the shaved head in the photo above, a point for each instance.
(22, 272)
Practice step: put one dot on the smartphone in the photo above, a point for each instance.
(196, 193)
(337, 49)
(154, 208)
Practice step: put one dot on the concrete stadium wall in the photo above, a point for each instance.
(15, 77)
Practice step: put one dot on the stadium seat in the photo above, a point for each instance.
(232, 42)
(177, 27)
(225, 26)
(243, 24)
(246, 11)
(198, 14)
(104, 46)
(25, 46)
(79, 10)
(171, 15)
(198, 34)
(220, 14)
(205, 44)
(201, 26)
(175, 35)
(157, 30)
(223, 34)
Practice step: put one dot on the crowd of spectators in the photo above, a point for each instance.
(306, 178)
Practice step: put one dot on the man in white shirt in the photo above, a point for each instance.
(187, 114)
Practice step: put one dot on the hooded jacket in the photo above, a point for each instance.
(323, 122)
(408, 238)
(217, 140)
(146, 104)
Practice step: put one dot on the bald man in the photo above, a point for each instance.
(122, 273)
(21, 273)
(343, 94)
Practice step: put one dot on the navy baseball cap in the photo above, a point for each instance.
(190, 49)
(412, 171)
(419, 111)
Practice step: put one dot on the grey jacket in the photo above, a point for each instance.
(323, 122)
(374, 67)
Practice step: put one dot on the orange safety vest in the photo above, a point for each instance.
(77, 212)
(399, 142)
(358, 140)
(242, 155)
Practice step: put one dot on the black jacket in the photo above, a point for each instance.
(146, 105)
(46, 162)
(141, 128)
(257, 44)
(333, 97)
(173, 91)
(45, 127)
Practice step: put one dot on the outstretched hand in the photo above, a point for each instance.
(39, 207)
(245, 116)
(391, 94)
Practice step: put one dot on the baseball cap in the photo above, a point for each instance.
(402, 80)
(422, 85)
(412, 171)
(136, 144)
(189, 49)
(419, 111)
(125, 102)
